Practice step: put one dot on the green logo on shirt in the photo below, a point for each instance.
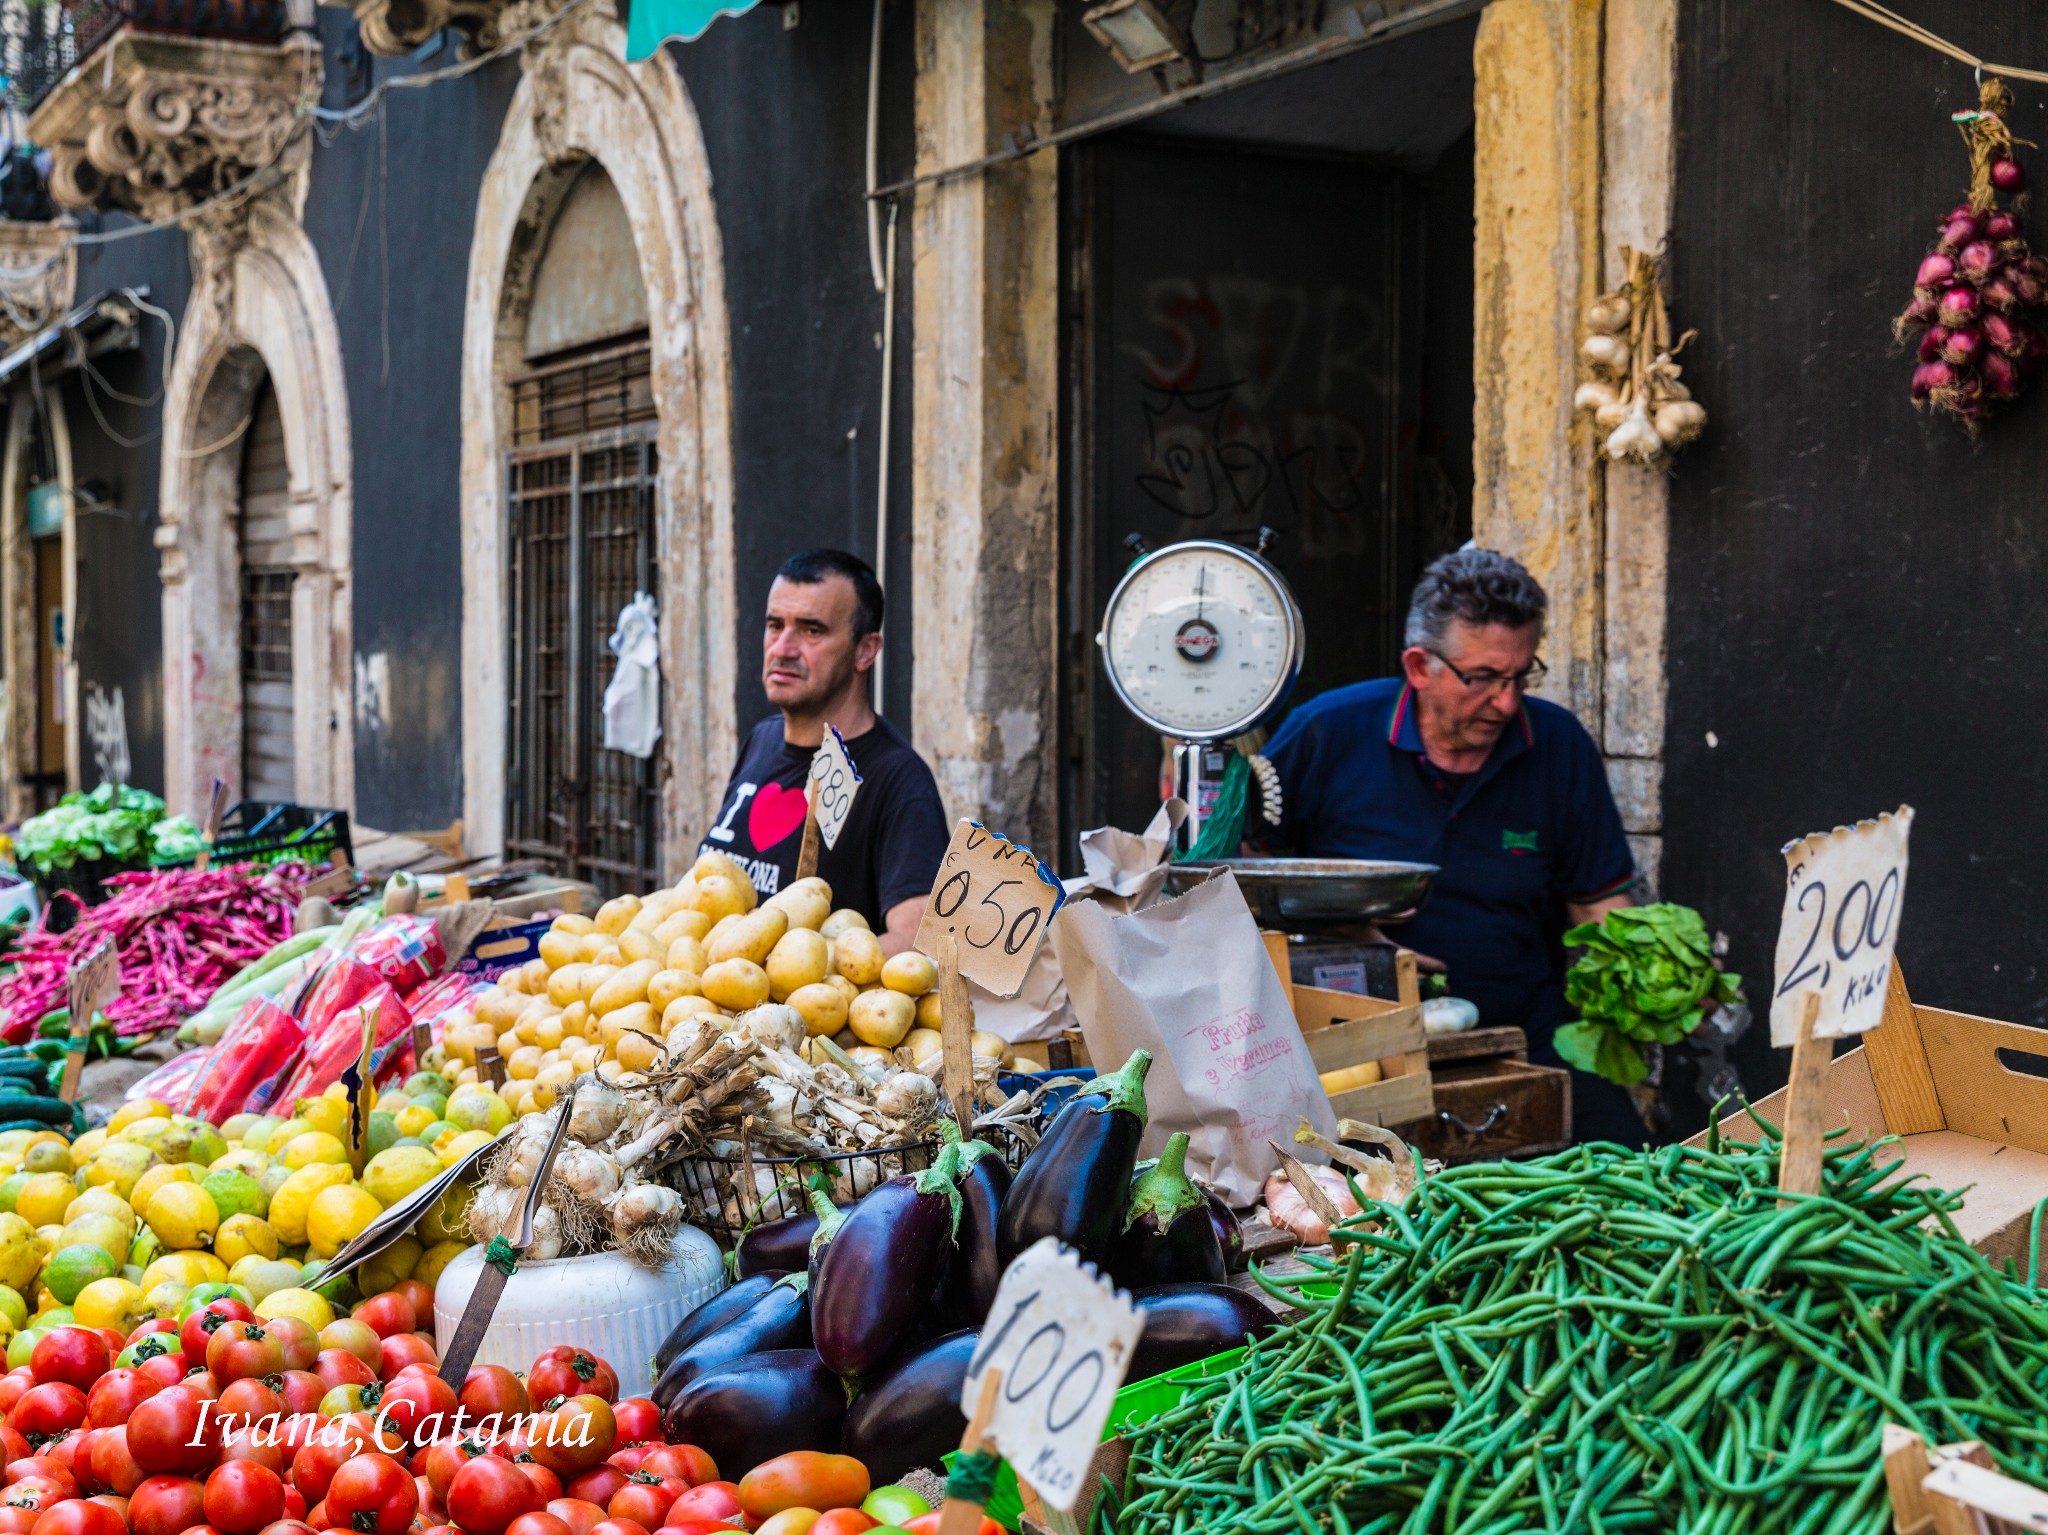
(1517, 841)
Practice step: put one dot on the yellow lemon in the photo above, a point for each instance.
(393, 1264)
(391, 1175)
(478, 1108)
(134, 1109)
(187, 1268)
(47, 1157)
(232, 1128)
(447, 1220)
(86, 1147)
(109, 1235)
(313, 1147)
(435, 1259)
(323, 1113)
(44, 1198)
(115, 1303)
(243, 1236)
(256, 1137)
(240, 1159)
(337, 1215)
(119, 1165)
(301, 1303)
(165, 1299)
(463, 1144)
(183, 1215)
(289, 1204)
(413, 1118)
(102, 1202)
(266, 1276)
(19, 1255)
(147, 1185)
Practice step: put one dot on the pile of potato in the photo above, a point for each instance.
(610, 993)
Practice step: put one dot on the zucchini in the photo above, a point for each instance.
(49, 1111)
(22, 1124)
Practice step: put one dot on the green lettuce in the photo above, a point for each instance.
(111, 822)
(1644, 978)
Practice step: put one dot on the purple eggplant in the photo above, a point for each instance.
(783, 1245)
(1229, 1229)
(909, 1415)
(779, 1319)
(1075, 1185)
(829, 1218)
(713, 1314)
(759, 1407)
(878, 1274)
(1168, 1237)
(1187, 1322)
(969, 1288)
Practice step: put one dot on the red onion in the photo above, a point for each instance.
(1958, 306)
(2002, 335)
(2000, 295)
(2001, 376)
(2002, 226)
(1931, 341)
(1930, 376)
(1936, 271)
(2007, 176)
(2026, 287)
(1962, 348)
(1958, 233)
(1976, 260)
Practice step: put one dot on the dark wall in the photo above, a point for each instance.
(1855, 590)
(784, 115)
(391, 211)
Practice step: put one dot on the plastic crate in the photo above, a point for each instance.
(260, 831)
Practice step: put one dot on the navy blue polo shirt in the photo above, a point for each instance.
(1532, 829)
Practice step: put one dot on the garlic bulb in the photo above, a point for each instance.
(781, 1098)
(1594, 395)
(494, 1211)
(1680, 421)
(600, 1107)
(645, 1204)
(1609, 416)
(1635, 438)
(547, 1235)
(908, 1095)
(775, 1025)
(588, 1174)
(1608, 314)
(1607, 354)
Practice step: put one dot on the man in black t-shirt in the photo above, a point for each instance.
(824, 633)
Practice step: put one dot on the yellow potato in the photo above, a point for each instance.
(637, 943)
(513, 982)
(639, 1053)
(537, 976)
(839, 921)
(736, 984)
(590, 945)
(682, 1009)
(753, 937)
(629, 985)
(843, 986)
(928, 1015)
(524, 1063)
(881, 1017)
(667, 985)
(720, 928)
(462, 1040)
(687, 923)
(994, 1046)
(800, 958)
(548, 1032)
(617, 1023)
(615, 914)
(857, 955)
(572, 922)
(711, 863)
(576, 1020)
(1027, 1064)
(593, 977)
(920, 1044)
(721, 896)
(654, 910)
(910, 973)
(823, 1008)
(609, 955)
(807, 903)
(508, 1042)
(498, 1008)
(687, 953)
(1343, 1081)
(566, 984)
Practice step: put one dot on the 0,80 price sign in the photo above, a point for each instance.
(834, 782)
(995, 898)
(1844, 893)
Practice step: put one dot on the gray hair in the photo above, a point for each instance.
(1476, 586)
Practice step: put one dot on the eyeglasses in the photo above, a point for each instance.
(1488, 681)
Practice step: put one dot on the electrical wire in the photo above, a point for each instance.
(1870, 10)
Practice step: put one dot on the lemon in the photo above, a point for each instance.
(48, 1157)
(13, 1309)
(241, 1236)
(435, 1259)
(478, 1108)
(86, 1147)
(103, 1202)
(235, 1125)
(165, 1298)
(144, 1132)
(145, 1249)
(448, 1218)
(187, 1269)
(72, 1268)
(147, 1185)
(391, 1175)
(182, 1215)
(239, 1159)
(109, 1235)
(328, 1114)
(411, 1119)
(118, 1165)
(256, 1134)
(315, 1146)
(463, 1145)
(43, 1200)
(396, 1262)
(381, 1133)
(134, 1109)
(266, 1276)
(303, 1304)
(337, 1215)
(190, 1140)
(114, 1303)
(10, 1190)
(288, 1206)
(273, 1178)
(235, 1193)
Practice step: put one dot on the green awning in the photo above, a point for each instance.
(651, 23)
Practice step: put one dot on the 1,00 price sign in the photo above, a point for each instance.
(995, 898)
(1844, 892)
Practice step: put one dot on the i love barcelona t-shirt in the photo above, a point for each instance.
(890, 847)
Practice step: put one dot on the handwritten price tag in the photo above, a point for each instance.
(996, 898)
(834, 782)
(90, 985)
(1062, 1340)
(1844, 891)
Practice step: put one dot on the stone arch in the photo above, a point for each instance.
(580, 101)
(259, 306)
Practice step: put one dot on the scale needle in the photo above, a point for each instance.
(1201, 587)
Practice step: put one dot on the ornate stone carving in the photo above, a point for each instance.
(396, 27)
(159, 123)
(38, 278)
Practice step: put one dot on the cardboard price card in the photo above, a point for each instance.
(995, 898)
(834, 782)
(1844, 891)
(90, 985)
(1062, 1339)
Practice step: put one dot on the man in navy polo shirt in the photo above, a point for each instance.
(1452, 763)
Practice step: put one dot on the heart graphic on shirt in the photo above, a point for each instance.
(775, 813)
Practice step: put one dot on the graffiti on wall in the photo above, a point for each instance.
(106, 733)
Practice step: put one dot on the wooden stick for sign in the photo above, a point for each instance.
(956, 1030)
(807, 855)
(1897, 1057)
(1407, 983)
(491, 1064)
(956, 1515)
(212, 833)
(422, 1042)
(1799, 1159)
(74, 1059)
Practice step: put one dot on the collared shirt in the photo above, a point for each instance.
(1532, 829)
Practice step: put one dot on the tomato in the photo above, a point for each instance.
(928, 1524)
(566, 1371)
(683, 1460)
(579, 1514)
(416, 1407)
(115, 1395)
(34, 1492)
(372, 1494)
(257, 1443)
(18, 1521)
(64, 1451)
(298, 1342)
(597, 1485)
(300, 1390)
(198, 1328)
(13, 1387)
(316, 1516)
(247, 1400)
(241, 1497)
(697, 1527)
(338, 1367)
(79, 1517)
(403, 1351)
(76, 1453)
(639, 1420)
(203, 1383)
(165, 1369)
(44, 1468)
(77, 1356)
(630, 1458)
(791, 1521)
(166, 1505)
(173, 1432)
(387, 1315)
(490, 1388)
(313, 1467)
(549, 1484)
(118, 1504)
(538, 1524)
(239, 1350)
(350, 1399)
(294, 1503)
(44, 1412)
(708, 1500)
(574, 1436)
(112, 1465)
(287, 1526)
(421, 1295)
(803, 1479)
(488, 1494)
(646, 1499)
(358, 1338)
(894, 1503)
(617, 1527)
(445, 1457)
(440, 1529)
(843, 1521)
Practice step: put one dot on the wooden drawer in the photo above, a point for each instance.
(1493, 1108)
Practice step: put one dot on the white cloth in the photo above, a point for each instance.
(632, 699)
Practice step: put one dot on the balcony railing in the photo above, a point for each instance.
(45, 42)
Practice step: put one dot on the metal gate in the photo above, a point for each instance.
(580, 495)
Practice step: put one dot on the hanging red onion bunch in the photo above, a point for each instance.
(1976, 288)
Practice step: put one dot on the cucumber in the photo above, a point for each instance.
(49, 1111)
(22, 1124)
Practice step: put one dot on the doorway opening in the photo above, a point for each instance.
(267, 575)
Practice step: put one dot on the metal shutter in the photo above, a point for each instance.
(267, 762)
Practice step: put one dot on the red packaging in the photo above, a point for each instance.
(339, 1043)
(405, 950)
(443, 997)
(259, 1044)
(343, 984)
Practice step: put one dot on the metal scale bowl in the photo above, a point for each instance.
(1307, 895)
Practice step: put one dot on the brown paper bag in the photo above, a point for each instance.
(1189, 980)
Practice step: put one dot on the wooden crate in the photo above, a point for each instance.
(1343, 1029)
(1496, 1107)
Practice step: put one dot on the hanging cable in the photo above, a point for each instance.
(1870, 10)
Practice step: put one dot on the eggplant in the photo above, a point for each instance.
(713, 1314)
(1229, 1229)
(969, 1288)
(909, 1416)
(878, 1274)
(780, 1319)
(1187, 1322)
(759, 1407)
(1075, 1185)
(784, 1245)
(829, 1218)
(1168, 1236)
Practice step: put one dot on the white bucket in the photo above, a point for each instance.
(603, 1303)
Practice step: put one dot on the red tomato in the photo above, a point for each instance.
(843, 1521)
(549, 1484)
(708, 1500)
(440, 1529)
(645, 1499)
(118, 1504)
(154, 1324)
(80, 1517)
(404, 1351)
(683, 1460)
(35, 1492)
(241, 1497)
(198, 1328)
(174, 1432)
(294, 1504)
(316, 1516)
(297, 1340)
(301, 1390)
(163, 1370)
(338, 1367)
(791, 1521)
(639, 1420)
(18, 1521)
(373, 1495)
(445, 1457)
(204, 1383)
(488, 1494)
(421, 1295)
(574, 1436)
(538, 1524)
(803, 1479)
(287, 1526)
(490, 1388)
(44, 1468)
(247, 1401)
(115, 1395)
(46, 1411)
(697, 1527)
(77, 1356)
(597, 1485)
(629, 1459)
(239, 1350)
(258, 1443)
(64, 1451)
(617, 1527)
(580, 1514)
(166, 1505)
(12, 1388)
(387, 1315)
(77, 1454)
(566, 1371)
(928, 1524)
(416, 1406)
(314, 1465)
(112, 1465)
(114, 1339)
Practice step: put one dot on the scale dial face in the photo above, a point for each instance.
(1202, 640)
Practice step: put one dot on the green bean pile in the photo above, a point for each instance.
(1609, 1340)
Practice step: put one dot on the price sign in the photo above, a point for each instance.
(834, 782)
(91, 984)
(1844, 891)
(995, 898)
(1061, 1339)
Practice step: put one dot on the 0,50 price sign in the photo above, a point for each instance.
(995, 898)
(1844, 893)
(834, 782)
